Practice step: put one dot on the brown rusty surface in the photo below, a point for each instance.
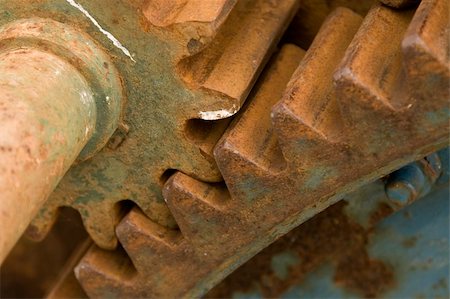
(39, 142)
(183, 65)
(381, 212)
(330, 237)
(282, 162)
(314, 129)
(211, 14)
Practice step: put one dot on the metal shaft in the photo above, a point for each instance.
(47, 115)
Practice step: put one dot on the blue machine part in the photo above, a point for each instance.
(413, 241)
(363, 251)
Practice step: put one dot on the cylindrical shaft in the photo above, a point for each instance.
(47, 115)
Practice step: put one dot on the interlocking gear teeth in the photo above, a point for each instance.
(317, 167)
(220, 48)
(148, 244)
(166, 98)
(261, 152)
(208, 219)
(202, 211)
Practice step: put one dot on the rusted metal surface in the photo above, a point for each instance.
(182, 65)
(50, 116)
(318, 125)
(315, 129)
(38, 142)
(335, 236)
(402, 256)
(413, 180)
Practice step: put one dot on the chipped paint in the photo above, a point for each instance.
(218, 114)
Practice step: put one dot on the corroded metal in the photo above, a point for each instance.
(315, 128)
(50, 116)
(38, 141)
(350, 251)
(318, 125)
(413, 180)
(182, 66)
(80, 51)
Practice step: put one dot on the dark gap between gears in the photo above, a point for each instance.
(166, 175)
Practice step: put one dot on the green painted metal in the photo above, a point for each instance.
(161, 111)
(154, 120)
(61, 100)
(87, 57)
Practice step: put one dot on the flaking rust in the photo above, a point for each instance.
(330, 237)
(315, 129)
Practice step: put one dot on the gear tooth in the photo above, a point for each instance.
(235, 162)
(308, 118)
(186, 20)
(200, 210)
(228, 68)
(155, 249)
(99, 222)
(263, 183)
(370, 78)
(295, 136)
(374, 89)
(147, 242)
(426, 61)
(105, 273)
(236, 154)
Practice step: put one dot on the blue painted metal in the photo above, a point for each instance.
(413, 243)
(413, 180)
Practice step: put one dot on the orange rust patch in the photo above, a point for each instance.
(328, 237)
(409, 242)
(383, 211)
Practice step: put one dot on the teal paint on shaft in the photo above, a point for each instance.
(47, 115)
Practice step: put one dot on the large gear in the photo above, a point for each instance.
(316, 127)
(367, 96)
